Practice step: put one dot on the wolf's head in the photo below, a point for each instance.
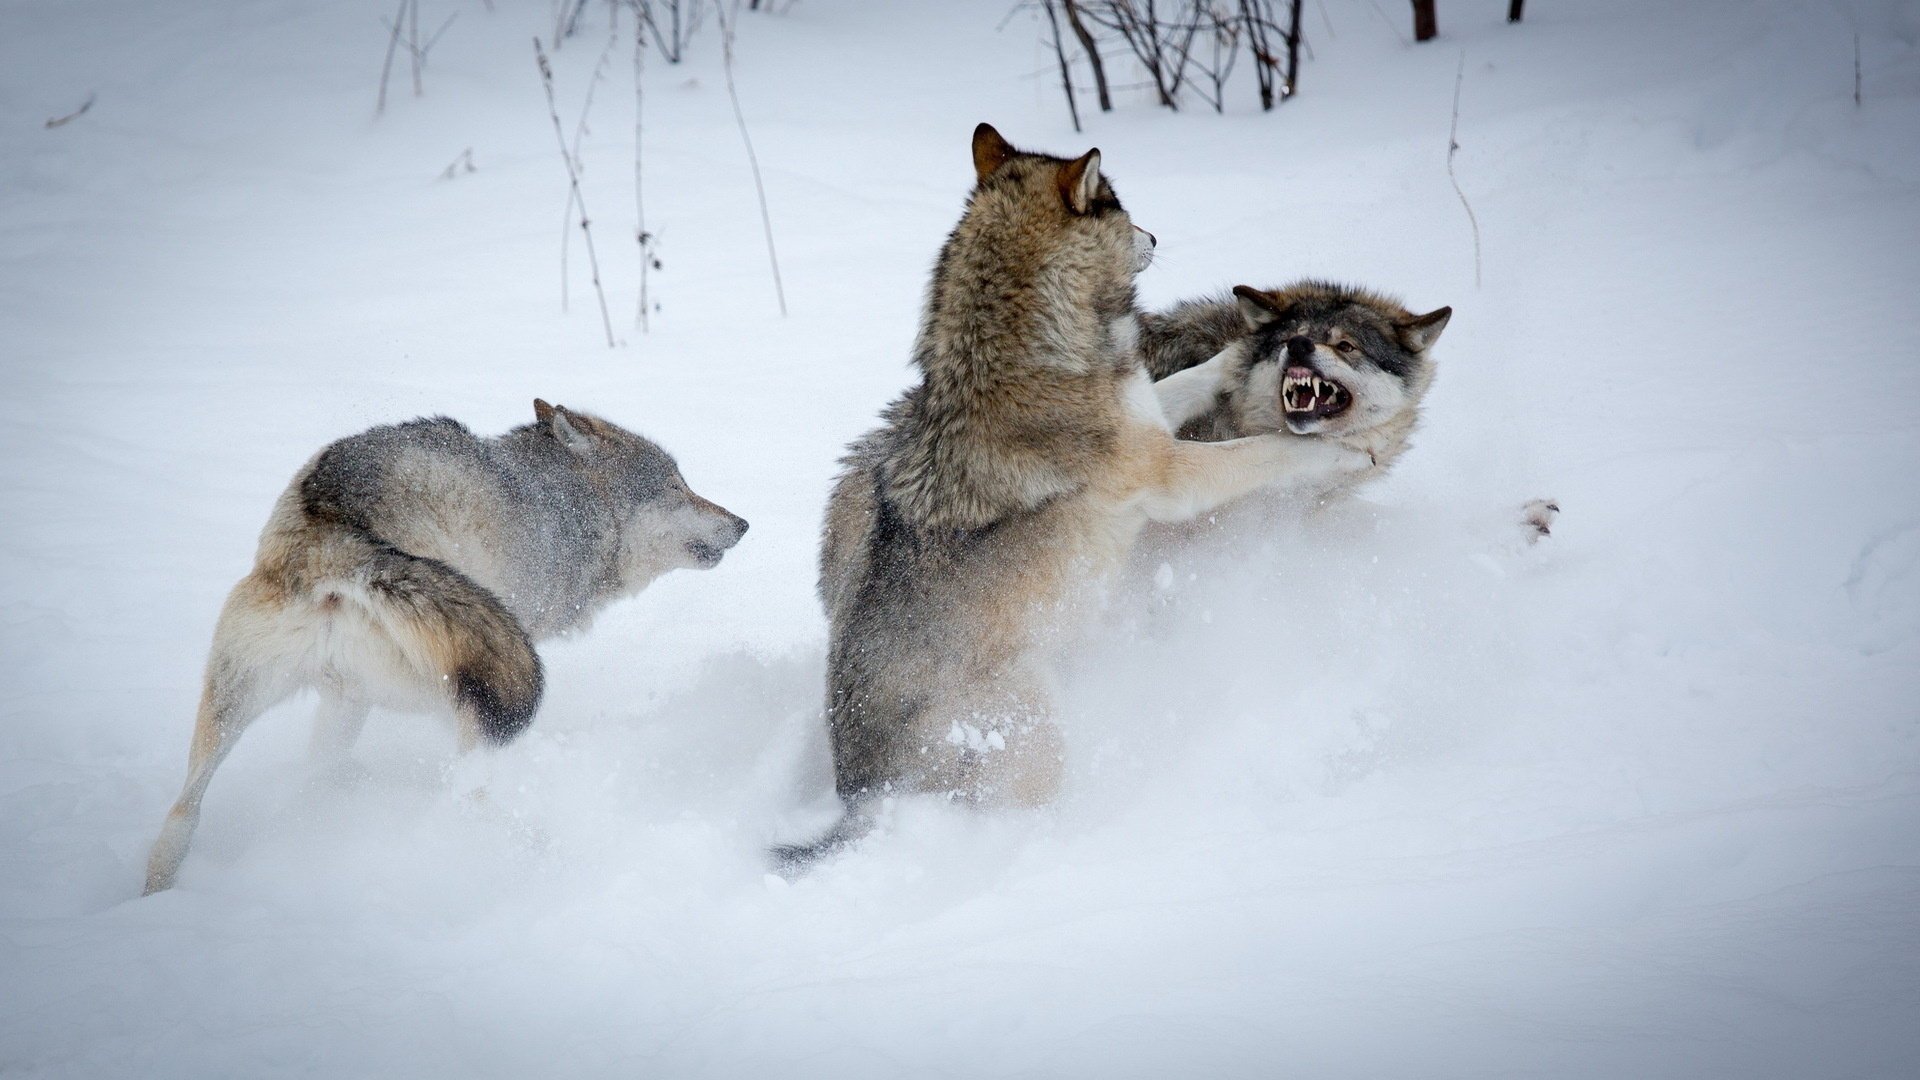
(1046, 221)
(662, 524)
(1327, 359)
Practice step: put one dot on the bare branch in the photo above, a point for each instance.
(1453, 146)
(766, 220)
(1060, 53)
(461, 164)
(573, 181)
(648, 261)
(386, 68)
(62, 121)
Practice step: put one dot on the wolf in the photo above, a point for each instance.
(1313, 358)
(413, 566)
(961, 534)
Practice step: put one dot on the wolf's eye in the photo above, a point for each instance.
(1344, 346)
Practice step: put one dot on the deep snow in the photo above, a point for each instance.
(1379, 794)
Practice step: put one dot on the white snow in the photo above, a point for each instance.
(1382, 794)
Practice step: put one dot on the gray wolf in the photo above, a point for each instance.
(1009, 481)
(1312, 358)
(414, 565)
(1317, 358)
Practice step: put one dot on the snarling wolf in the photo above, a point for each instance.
(1311, 358)
(414, 565)
(1014, 475)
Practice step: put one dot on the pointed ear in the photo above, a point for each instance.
(1422, 331)
(1080, 181)
(990, 151)
(573, 430)
(542, 412)
(1257, 307)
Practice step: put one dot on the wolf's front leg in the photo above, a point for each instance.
(1187, 394)
(1192, 478)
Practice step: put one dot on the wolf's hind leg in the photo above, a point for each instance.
(235, 693)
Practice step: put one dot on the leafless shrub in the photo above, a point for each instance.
(1180, 46)
(727, 23)
(406, 21)
(573, 181)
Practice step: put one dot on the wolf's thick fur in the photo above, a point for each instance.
(413, 566)
(1223, 365)
(1017, 471)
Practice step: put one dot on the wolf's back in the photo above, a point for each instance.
(447, 625)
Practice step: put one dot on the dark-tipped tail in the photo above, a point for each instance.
(463, 633)
(792, 860)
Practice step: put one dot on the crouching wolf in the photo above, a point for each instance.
(412, 566)
(1014, 475)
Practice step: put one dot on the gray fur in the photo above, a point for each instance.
(412, 566)
(962, 532)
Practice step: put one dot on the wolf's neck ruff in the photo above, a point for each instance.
(1019, 317)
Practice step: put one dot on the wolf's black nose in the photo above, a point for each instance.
(739, 528)
(1299, 348)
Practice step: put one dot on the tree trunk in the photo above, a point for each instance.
(1093, 54)
(1425, 24)
(1293, 49)
(1513, 9)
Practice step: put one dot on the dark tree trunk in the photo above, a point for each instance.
(1425, 24)
(1513, 10)
(1293, 49)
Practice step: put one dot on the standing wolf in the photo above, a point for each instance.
(1017, 472)
(413, 566)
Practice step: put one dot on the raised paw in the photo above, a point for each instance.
(1537, 518)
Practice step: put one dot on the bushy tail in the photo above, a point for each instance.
(452, 627)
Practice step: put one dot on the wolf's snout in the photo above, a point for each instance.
(737, 525)
(1152, 241)
(1299, 347)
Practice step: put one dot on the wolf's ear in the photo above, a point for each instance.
(573, 430)
(1419, 333)
(542, 412)
(1257, 307)
(990, 151)
(1080, 182)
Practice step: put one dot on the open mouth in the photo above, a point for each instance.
(1306, 395)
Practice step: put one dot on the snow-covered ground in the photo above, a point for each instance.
(1383, 794)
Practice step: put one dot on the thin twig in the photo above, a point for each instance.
(1453, 145)
(640, 233)
(461, 164)
(579, 131)
(386, 68)
(1856, 74)
(573, 181)
(61, 121)
(766, 219)
(413, 41)
(1066, 74)
(1391, 25)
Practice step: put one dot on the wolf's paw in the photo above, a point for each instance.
(1537, 518)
